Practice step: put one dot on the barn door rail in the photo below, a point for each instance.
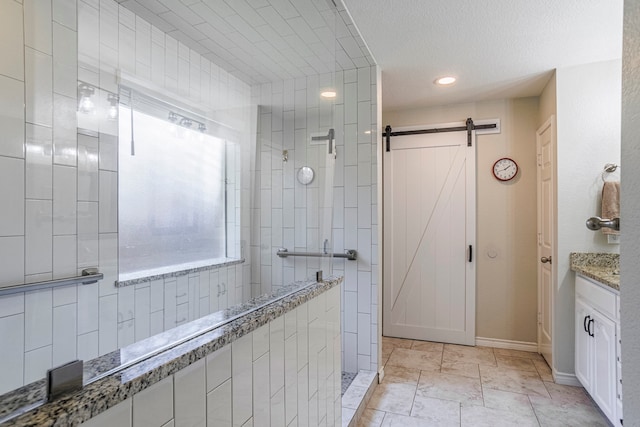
(468, 127)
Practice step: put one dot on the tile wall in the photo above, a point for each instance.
(284, 211)
(58, 182)
(285, 373)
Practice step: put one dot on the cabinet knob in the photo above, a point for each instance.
(545, 260)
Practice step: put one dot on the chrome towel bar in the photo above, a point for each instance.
(89, 275)
(596, 223)
(350, 254)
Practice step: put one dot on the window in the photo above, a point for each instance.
(171, 191)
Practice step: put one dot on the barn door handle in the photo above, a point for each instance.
(470, 253)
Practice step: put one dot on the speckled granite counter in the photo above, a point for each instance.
(602, 267)
(26, 406)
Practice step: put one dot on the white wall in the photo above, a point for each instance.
(630, 246)
(58, 189)
(588, 137)
(286, 372)
(506, 285)
(286, 212)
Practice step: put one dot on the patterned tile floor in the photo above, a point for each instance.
(435, 384)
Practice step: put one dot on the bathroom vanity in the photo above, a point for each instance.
(597, 333)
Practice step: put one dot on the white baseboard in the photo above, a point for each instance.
(507, 344)
(558, 377)
(566, 379)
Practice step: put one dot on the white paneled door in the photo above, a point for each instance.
(429, 233)
(546, 236)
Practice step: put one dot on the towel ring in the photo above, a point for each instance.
(608, 168)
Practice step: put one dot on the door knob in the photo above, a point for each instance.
(545, 260)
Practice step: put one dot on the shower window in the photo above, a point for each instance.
(171, 192)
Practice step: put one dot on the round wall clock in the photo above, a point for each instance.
(505, 169)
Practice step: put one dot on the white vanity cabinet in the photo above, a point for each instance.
(597, 363)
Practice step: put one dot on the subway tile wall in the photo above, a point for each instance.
(285, 373)
(58, 182)
(285, 212)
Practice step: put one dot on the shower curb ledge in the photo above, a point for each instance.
(26, 407)
(357, 396)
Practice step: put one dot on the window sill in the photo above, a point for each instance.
(175, 271)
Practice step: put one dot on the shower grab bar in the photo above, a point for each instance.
(89, 275)
(350, 254)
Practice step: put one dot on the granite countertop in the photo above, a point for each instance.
(602, 267)
(26, 406)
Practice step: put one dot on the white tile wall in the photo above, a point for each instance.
(12, 260)
(231, 388)
(12, 331)
(119, 415)
(12, 195)
(64, 200)
(38, 236)
(39, 145)
(11, 40)
(242, 378)
(38, 87)
(36, 363)
(38, 319)
(65, 60)
(261, 396)
(37, 25)
(59, 187)
(154, 406)
(12, 115)
(190, 395)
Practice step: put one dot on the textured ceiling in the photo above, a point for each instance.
(261, 40)
(496, 48)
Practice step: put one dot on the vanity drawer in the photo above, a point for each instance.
(597, 296)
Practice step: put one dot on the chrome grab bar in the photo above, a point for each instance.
(89, 275)
(596, 223)
(350, 254)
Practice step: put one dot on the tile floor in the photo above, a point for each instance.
(435, 384)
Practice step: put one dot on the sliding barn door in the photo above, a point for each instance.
(429, 230)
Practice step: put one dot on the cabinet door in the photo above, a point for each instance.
(604, 374)
(583, 345)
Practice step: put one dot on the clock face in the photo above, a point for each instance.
(505, 169)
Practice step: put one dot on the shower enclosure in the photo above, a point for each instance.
(267, 110)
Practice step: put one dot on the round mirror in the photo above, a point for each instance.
(305, 175)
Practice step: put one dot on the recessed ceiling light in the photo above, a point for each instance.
(328, 94)
(444, 81)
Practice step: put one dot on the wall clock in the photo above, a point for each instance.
(505, 169)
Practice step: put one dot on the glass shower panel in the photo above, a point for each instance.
(295, 166)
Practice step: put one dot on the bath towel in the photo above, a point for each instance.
(610, 203)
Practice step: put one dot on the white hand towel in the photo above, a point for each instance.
(610, 203)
